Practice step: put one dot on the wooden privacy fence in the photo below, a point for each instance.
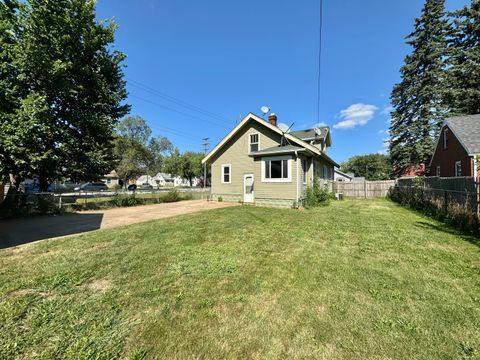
(364, 189)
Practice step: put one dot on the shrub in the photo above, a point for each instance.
(437, 206)
(172, 196)
(126, 200)
(316, 195)
(220, 199)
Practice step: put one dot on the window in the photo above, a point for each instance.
(438, 171)
(276, 169)
(226, 174)
(305, 170)
(254, 142)
(458, 168)
(445, 138)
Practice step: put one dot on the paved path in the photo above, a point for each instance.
(21, 231)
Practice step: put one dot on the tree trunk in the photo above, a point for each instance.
(43, 183)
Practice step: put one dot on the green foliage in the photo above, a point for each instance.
(463, 93)
(63, 90)
(418, 100)
(427, 201)
(136, 152)
(125, 200)
(441, 77)
(172, 196)
(316, 195)
(372, 167)
(220, 199)
(187, 165)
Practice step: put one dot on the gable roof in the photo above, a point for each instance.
(311, 134)
(467, 130)
(253, 117)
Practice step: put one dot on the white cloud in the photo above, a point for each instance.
(387, 110)
(356, 115)
(385, 147)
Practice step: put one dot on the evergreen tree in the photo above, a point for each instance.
(418, 100)
(464, 61)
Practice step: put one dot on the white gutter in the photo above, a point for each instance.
(296, 159)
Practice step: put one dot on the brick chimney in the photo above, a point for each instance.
(272, 119)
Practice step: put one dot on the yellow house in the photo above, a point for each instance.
(258, 163)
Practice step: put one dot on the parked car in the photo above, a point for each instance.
(132, 187)
(92, 186)
(145, 186)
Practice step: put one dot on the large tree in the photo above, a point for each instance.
(418, 100)
(136, 151)
(372, 166)
(187, 165)
(464, 61)
(69, 90)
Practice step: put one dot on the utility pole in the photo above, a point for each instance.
(205, 144)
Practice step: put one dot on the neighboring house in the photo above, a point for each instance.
(164, 179)
(258, 163)
(458, 147)
(341, 176)
(111, 179)
(346, 177)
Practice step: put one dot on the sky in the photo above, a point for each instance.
(195, 68)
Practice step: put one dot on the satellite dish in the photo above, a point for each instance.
(318, 131)
(284, 127)
(265, 109)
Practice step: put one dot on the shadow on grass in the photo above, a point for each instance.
(20, 231)
(449, 230)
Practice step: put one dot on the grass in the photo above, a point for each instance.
(357, 279)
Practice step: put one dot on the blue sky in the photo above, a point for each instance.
(228, 58)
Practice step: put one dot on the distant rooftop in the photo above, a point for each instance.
(310, 134)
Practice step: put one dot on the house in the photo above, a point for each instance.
(111, 179)
(346, 177)
(164, 179)
(258, 163)
(458, 148)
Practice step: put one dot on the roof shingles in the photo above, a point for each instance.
(467, 129)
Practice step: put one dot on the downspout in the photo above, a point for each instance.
(296, 159)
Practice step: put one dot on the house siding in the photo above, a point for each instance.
(446, 158)
(236, 153)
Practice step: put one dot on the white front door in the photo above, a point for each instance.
(248, 190)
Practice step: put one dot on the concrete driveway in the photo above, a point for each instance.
(25, 230)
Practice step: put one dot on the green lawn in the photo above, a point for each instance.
(354, 280)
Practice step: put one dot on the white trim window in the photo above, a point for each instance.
(445, 138)
(438, 171)
(304, 170)
(277, 169)
(458, 168)
(254, 143)
(226, 173)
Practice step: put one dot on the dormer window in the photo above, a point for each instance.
(254, 142)
(445, 138)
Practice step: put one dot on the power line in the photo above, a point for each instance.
(178, 111)
(175, 100)
(319, 60)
